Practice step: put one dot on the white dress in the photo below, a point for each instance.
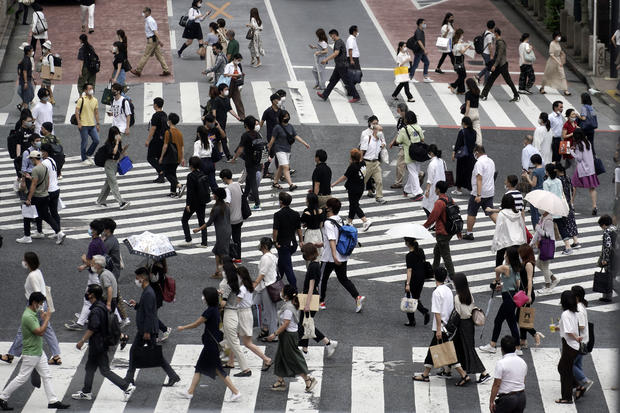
(542, 142)
(435, 172)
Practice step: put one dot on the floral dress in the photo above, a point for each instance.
(256, 43)
(571, 224)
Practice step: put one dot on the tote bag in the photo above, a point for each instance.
(408, 305)
(443, 354)
(401, 74)
(442, 42)
(547, 248)
(308, 325)
(223, 79)
(124, 165)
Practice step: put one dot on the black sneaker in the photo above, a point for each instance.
(469, 237)
(292, 172)
(58, 405)
(4, 405)
(160, 179)
(438, 70)
(514, 99)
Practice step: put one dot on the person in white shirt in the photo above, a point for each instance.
(435, 172)
(487, 51)
(447, 31)
(403, 59)
(526, 61)
(267, 275)
(527, 152)
(38, 31)
(153, 45)
(53, 188)
(556, 120)
(543, 137)
(234, 71)
(569, 332)
(583, 382)
(441, 306)
(43, 111)
(482, 189)
(372, 142)
(192, 28)
(234, 201)
(120, 110)
(353, 52)
(508, 391)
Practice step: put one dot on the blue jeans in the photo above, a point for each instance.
(485, 72)
(285, 264)
(121, 77)
(535, 216)
(416, 62)
(84, 133)
(578, 370)
(49, 336)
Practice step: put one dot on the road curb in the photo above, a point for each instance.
(6, 37)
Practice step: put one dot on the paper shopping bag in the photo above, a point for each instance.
(526, 317)
(443, 354)
(29, 211)
(314, 302)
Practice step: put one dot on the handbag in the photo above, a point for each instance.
(520, 298)
(478, 316)
(124, 165)
(602, 282)
(530, 56)
(249, 36)
(599, 167)
(384, 156)
(29, 211)
(428, 271)
(442, 42)
(183, 20)
(107, 97)
(202, 51)
(246, 211)
(126, 65)
(528, 235)
(147, 356)
(355, 75)
(223, 79)
(408, 305)
(547, 248)
(217, 342)
(274, 290)
(449, 175)
(461, 152)
(443, 354)
(463, 109)
(401, 74)
(452, 325)
(314, 302)
(308, 325)
(564, 147)
(526, 317)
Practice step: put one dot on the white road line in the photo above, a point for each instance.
(183, 362)
(614, 127)
(342, 108)
(390, 69)
(375, 22)
(546, 365)
(495, 112)
(419, 107)
(190, 102)
(73, 96)
(109, 397)
(152, 90)
(432, 396)
(6, 370)
(62, 376)
(298, 400)
(484, 390)
(3, 118)
(280, 39)
(248, 386)
(451, 102)
(302, 101)
(173, 40)
(527, 107)
(367, 380)
(169, 7)
(377, 103)
(606, 365)
(262, 93)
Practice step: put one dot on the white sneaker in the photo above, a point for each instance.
(359, 302)
(544, 291)
(16, 186)
(82, 396)
(128, 392)
(456, 192)
(331, 349)
(185, 395)
(165, 335)
(367, 225)
(61, 238)
(102, 205)
(188, 244)
(487, 348)
(234, 398)
(554, 283)
(24, 240)
(414, 81)
(91, 159)
(125, 322)
(38, 235)
(428, 80)
(86, 162)
(519, 352)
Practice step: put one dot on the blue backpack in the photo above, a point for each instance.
(347, 238)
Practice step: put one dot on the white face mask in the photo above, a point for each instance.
(424, 25)
(505, 187)
(558, 39)
(25, 265)
(143, 15)
(226, 92)
(138, 283)
(203, 299)
(257, 127)
(40, 308)
(91, 92)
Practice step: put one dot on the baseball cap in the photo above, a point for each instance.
(35, 155)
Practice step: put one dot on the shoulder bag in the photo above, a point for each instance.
(183, 21)
(73, 119)
(274, 289)
(249, 36)
(449, 175)
(478, 316)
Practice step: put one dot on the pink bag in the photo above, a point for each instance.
(520, 298)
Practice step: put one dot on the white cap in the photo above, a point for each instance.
(35, 155)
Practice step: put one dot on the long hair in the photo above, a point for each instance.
(203, 135)
(457, 35)
(446, 18)
(244, 275)
(512, 253)
(508, 202)
(254, 13)
(580, 294)
(527, 254)
(121, 33)
(581, 140)
(462, 288)
(400, 44)
(472, 86)
(544, 116)
(112, 135)
(313, 203)
(232, 277)
(160, 266)
(568, 301)
(320, 34)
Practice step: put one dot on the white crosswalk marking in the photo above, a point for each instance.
(190, 109)
(425, 117)
(262, 93)
(248, 386)
(109, 397)
(183, 362)
(484, 390)
(553, 95)
(298, 399)
(449, 100)
(367, 380)
(3, 118)
(495, 112)
(341, 106)
(431, 396)
(151, 91)
(546, 363)
(73, 97)
(526, 106)
(606, 364)
(301, 98)
(6, 370)
(377, 103)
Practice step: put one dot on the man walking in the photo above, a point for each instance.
(153, 45)
(33, 356)
(340, 70)
(353, 52)
(155, 140)
(417, 45)
(234, 195)
(438, 219)
(508, 391)
(87, 115)
(252, 147)
(488, 46)
(401, 166)
(483, 186)
(499, 67)
(113, 248)
(53, 189)
(372, 142)
(97, 347)
(220, 110)
(148, 326)
(219, 63)
(286, 223)
(271, 117)
(120, 110)
(321, 178)
(556, 119)
(195, 202)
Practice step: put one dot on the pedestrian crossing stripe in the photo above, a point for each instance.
(80, 187)
(368, 389)
(435, 104)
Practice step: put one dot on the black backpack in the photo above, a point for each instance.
(57, 60)
(418, 151)
(204, 189)
(101, 156)
(91, 60)
(412, 44)
(259, 148)
(454, 222)
(479, 43)
(132, 117)
(11, 143)
(112, 335)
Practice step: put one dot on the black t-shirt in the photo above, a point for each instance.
(24, 66)
(419, 35)
(270, 117)
(415, 261)
(160, 121)
(121, 56)
(355, 177)
(221, 106)
(312, 273)
(312, 220)
(341, 59)
(287, 222)
(246, 143)
(323, 175)
(473, 99)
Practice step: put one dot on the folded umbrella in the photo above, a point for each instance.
(410, 230)
(149, 245)
(547, 201)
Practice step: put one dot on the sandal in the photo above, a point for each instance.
(7, 358)
(279, 385)
(292, 187)
(56, 360)
(579, 392)
(563, 401)
(463, 381)
(542, 91)
(421, 377)
(567, 93)
(266, 366)
(276, 185)
(311, 386)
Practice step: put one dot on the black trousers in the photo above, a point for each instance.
(53, 206)
(443, 57)
(304, 342)
(200, 214)
(565, 368)
(22, 8)
(153, 160)
(354, 205)
(139, 341)
(459, 83)
(170, 172)
(43, 210)
(33, 44)
(503, 70)
(526, 77)
(251, 184)
(400, 87)
(236, 236)
(341, 273)
(506, 312)
(102, 362)
(421, 308)
(510, 403)
(555, 148)
(340, 73)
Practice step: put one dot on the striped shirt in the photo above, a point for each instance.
(518, 197)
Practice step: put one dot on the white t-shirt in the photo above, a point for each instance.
(352, 44)
(229, 69)
(371, 145)
(287, 314)
(569, 324)
(489, 38)
(267, 266)
(486, 167)
(582, 320)
(442, 303)
(246, 297)
(51, 171)
(330, 232)
(150, 26)
(200, 151)
(526, 154)
(119, 116)
(511, 370)
(34, 283)
(42, 112)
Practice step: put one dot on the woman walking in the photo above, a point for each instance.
(120, 63)
(234, 71)
(416, 274)
(255, 29)
(554, 185)
(113, 151)
(570, 225)
(210, 39)
(464, 155)
(608, 247)
(545, 229)
(587, 115)
(526, 253)
(289, 360)
(312, 219)
(220, 218)
(193, 30)
(25, 82)
(555, 76)
(320, 50)
(283, 137)
(583, 382)
(472, 101)
(209, 362)
(507, 280)
(459, 49)
(203, 149)
(410, 134)
(543, 137)
(354, 175)
(403, 58)
(526, 61)
(535, 178)
(267, 275)
(435, 172)
(447, 31)
(38, 31)
(569, 333)
(464, 341)
(568, 130)
(509, 229)
(585, 174)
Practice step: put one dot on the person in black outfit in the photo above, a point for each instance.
(155, 140)
(159, 270)
(271, 116)
(210, 137)
(464, 155)
(220, 109)
(193, 202)
(321, 178)
(97, 348)
(340, 70)
(252, 159)
(354, 175)
(147, 325)
(499, 66)
(415, 279)
(286, 223)
(24, 128)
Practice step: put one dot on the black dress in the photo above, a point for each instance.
(415, 260)
(209, 360)
(465, 165)
(465, 346)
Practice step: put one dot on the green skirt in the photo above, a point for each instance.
(289, 360)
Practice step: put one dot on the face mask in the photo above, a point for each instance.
(198, 5)
(215, 53)
(143, 15)
(90, 232)
(257, 127)
(558, 39)
(86, 295)
(25, 265)
(91, 92)
(45, 99)
(138, 283)
(203, 300)
(37, 144)
(226, 92)
(358, 34)
(29, 124)
(573, 118)
(279, 104)
(424, 25)
(404, 49)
